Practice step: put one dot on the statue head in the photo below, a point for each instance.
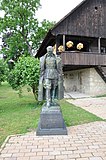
(49, 49)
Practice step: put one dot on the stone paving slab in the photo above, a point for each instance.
(83, 142)
(96, 106)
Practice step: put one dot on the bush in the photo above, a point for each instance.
(25, 72)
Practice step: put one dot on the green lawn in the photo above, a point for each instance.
(20, 115)
(104, 95)
(17, 115)
(75, 115)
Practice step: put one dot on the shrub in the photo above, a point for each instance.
(25, 72)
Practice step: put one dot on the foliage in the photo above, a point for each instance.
(3, 70)
(25, 72)
(21, 30)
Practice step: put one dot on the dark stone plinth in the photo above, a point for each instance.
(51, 122)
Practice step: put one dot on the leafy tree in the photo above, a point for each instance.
(21, 30)
(3, 71)
(25, 72)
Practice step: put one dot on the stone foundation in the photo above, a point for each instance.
(86, 81)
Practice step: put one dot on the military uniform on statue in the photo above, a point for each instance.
(51, 80)
(51, 89)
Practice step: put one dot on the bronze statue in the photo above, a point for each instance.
(51, 79)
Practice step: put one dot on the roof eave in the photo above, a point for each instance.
(44, 44)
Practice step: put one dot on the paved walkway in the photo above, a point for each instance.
(83, 142)
(96, 106)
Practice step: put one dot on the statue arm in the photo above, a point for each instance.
(59, 67)
(42, 66)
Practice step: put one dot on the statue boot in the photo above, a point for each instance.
(48, 100)
(53, 97)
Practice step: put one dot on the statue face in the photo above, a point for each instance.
(50, 49)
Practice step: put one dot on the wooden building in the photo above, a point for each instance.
(84, 62)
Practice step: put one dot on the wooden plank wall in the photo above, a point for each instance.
(69, 58)
(88, 20)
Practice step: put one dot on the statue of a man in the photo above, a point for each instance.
(51, 80)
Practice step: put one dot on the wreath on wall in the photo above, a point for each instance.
(80, 46)
(69, 44)
(61, 48)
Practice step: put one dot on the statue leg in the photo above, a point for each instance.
(53, 94)
(48, 100)
(54, 85)
(48, 92)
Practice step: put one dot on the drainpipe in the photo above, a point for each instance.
(64, 42)
(99, 45)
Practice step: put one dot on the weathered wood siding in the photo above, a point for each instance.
(89, 19)
(83, 59)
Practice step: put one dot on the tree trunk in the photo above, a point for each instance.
(35, 92)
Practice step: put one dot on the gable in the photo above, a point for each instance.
(89, 19)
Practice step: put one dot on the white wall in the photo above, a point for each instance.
(85, 80)
(97, 84)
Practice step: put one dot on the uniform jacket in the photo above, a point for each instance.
(60, 88)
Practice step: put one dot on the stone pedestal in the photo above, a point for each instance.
(51, 122)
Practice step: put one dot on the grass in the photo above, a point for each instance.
(74, 115)
(99, 96)
(17, 115)
(20, 115)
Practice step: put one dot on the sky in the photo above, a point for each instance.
(54, 10)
